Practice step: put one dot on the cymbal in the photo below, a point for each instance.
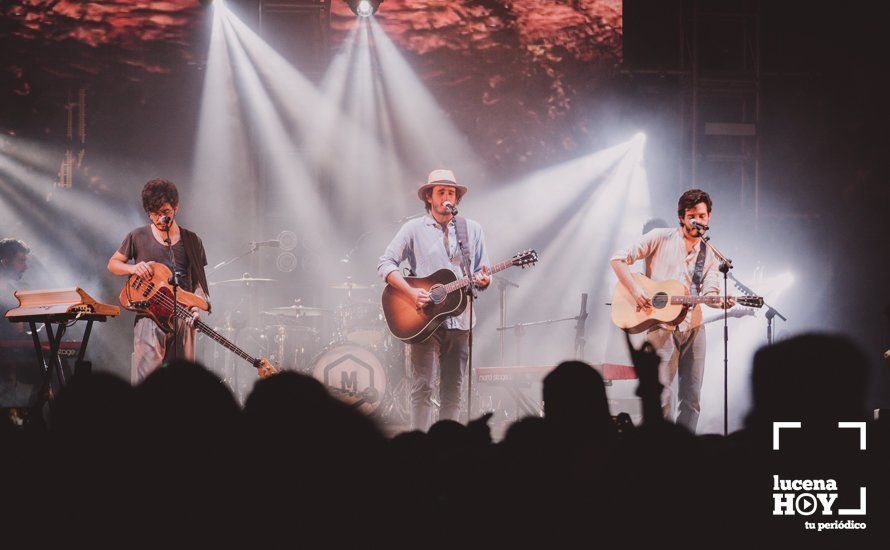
(243, 280)
(297, 310)
(349, 285)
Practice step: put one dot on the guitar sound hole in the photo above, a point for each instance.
(437, 294)
(660, 300)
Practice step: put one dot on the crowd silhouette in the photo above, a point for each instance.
(176, 461)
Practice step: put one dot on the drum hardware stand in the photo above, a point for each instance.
(348, 257)
(401, 392)
(725, 266)
(398, 398)
(519, 329)
(580, 329)
(503, 283)
(228, 360)
(229, 372)
(770, 311)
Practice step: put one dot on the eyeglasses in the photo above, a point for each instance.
(164, 212)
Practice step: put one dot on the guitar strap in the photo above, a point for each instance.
(699, 268)
(463, 239)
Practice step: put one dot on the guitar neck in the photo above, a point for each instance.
(464, 281)
(183, 314)
(694, 300)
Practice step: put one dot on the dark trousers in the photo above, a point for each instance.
(447, 352)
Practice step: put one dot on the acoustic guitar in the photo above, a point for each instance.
(154, 298)
(670, 304)
(447, 299)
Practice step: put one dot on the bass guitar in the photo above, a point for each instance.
(670, 304)
(412, 325)
(154, 298)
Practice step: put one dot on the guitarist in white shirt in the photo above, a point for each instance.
(429, 243)
(675, 253)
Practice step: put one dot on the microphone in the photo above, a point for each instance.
(451, 208)
(273, 243)
(700, 226)
(165, 220)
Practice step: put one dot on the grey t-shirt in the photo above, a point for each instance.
(141, 246)
(7, 302)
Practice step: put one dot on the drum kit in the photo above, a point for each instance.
(347, 348)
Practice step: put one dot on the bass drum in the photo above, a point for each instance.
(352, 373)
(361, 323)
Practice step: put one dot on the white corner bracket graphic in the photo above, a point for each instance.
(862, 446)
(855, 511)
(778, 426)
(860, 426)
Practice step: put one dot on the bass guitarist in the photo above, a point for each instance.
(145, 246)
(430, 243)
(678, 254)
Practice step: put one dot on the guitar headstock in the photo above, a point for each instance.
(525, 258)
(749, 301)
(739, 312)
(265, 368)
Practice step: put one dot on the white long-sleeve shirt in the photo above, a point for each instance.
(665, 256)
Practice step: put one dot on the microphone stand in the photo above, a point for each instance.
(253, 248)
(725, 266)
(174, 281)
(472, 293)
(770, 311)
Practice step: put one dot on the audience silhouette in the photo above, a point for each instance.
(176, 455)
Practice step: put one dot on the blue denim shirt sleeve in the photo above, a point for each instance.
(398, 250)
(420, 243)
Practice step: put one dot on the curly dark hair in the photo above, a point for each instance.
(9, 247)
(157, 192)
(691, 198)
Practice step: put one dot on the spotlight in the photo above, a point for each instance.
(364, 8)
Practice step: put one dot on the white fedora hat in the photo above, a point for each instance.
(441, 177)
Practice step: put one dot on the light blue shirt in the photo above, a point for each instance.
(421, 242)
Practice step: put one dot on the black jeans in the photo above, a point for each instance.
(446, 351)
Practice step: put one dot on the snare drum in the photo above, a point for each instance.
(352, 373)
